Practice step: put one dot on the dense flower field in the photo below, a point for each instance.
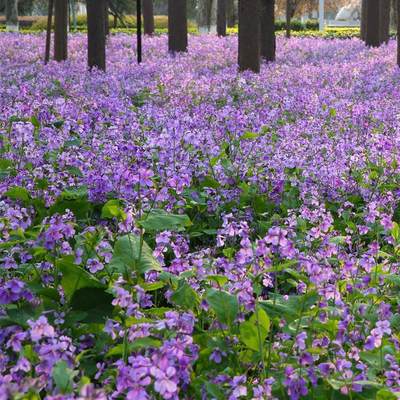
(179, 231)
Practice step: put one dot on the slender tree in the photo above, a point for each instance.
(148, 17)
(48, 30)
(177, 26)
(221, 18)
(289, 11)
(372, 32)
(249, 35)
(96, 34)
(363, 27)
(384, 21)
(268, 39)
(60, 30)
(230, 13)
(11, 12)
(398, 32)
(106, 18)
(139, 30)
(204, 10)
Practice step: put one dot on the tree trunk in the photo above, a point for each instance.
(267, 29)
(288, 17)
(61, 30)
(139, 30)
(96, 34)
(106, 19)
(221, 18)
(393, 15)
(372, 34)
(148, 17)
(249, 35)
(363, 28)
(177, 26)
(48, 31)
(398, 32)
(230, 13)
(11, 12)
(204, 15)
(384, 21)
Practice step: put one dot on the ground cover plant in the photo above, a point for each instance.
(181, 231)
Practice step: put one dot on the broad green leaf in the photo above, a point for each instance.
(254, 331)
(185, 296)
(209, 182)
(338, 240)
(113, 209)
(224, 304)
(151, 287)
(261, 318)
(96, 302)
(132, 254)
(386, 394)
(63, 377)
(249, 136)
(138, 344)
(249, 335)
(18, 193)
(74, 277)
(218, 279)
(159, 220)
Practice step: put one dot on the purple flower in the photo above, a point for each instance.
(40, 329)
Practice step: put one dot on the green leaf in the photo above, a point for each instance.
(386, 394)
(18, 193)
(74, 277)
(210, 182)
(260, 317)
(151, 287)
(74, 199)
(224, 304)
(63, 377)
(96, 302)
(338, 240)
(220, 280)
(185, 296)
(396, 231)
(138, 344)
(249, 335)
(254, 331)
(249, 136)
(159, 220)
(113, 209)
(131, 254)
(75, 193)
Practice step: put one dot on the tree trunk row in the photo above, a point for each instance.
(256, 33)
(375, 22)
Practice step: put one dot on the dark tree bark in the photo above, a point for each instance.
(230, 13)
(61, 30)
(96, 34)
(48, 31)
(384, 21)
(267, 29)
(139, 30)
(106, 19)
(393, 15)
(288, 17)
(372, 33)
(398, 32)
(177, 26)
(221, 18)
(148, 17)
(363, 28)
(249, 35)
(11, 11)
